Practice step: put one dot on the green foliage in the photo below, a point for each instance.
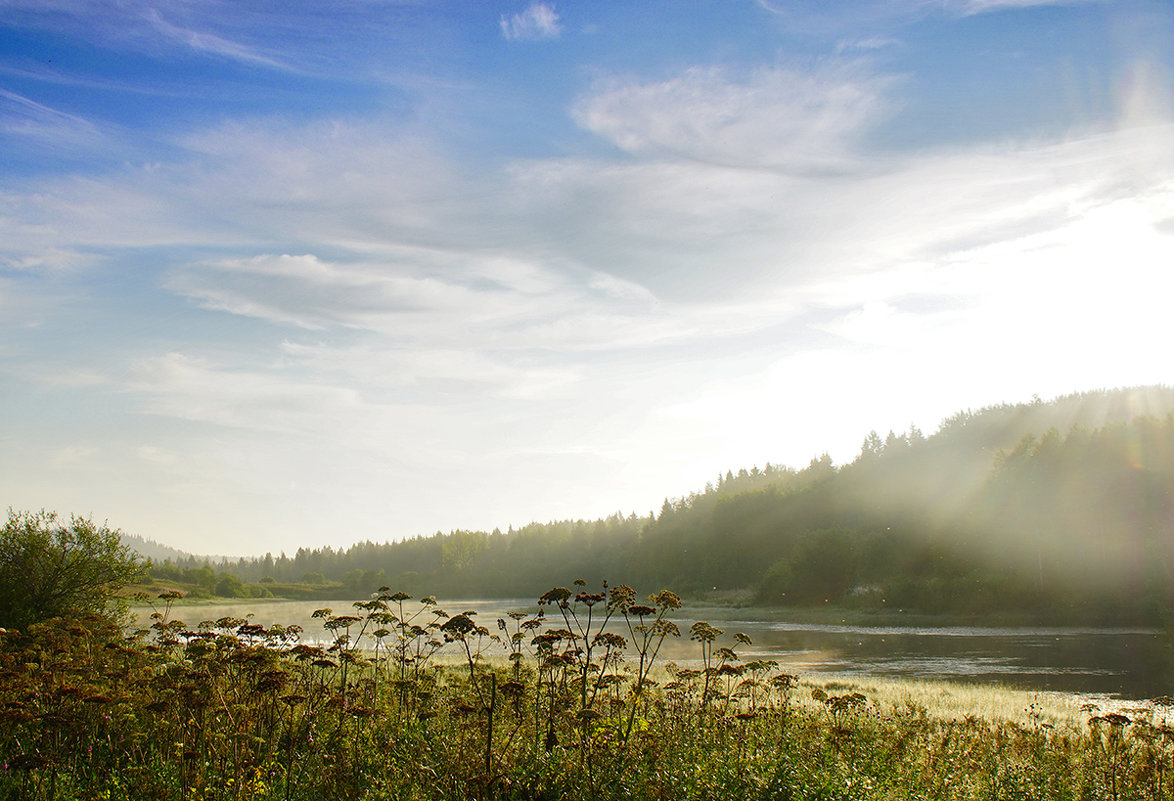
(229, 586)
(49, 569)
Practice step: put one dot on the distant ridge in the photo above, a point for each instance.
(158, 552)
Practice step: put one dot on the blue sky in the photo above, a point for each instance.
(304, 273)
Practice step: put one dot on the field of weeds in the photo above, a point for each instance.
(574, 705)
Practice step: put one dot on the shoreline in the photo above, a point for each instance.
(821, 615)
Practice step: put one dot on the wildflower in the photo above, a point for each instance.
(558, 595)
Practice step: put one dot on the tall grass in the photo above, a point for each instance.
(571, 703)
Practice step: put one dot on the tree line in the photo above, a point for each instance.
(1061, 508)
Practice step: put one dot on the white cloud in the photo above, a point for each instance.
(44, 127)
(982, 6)
(866, 44)
(239, 33)
(206, 42)
(74, 456)
(460, 300)
(878, 323)
(243, 185)
(75, 379)
(390, 370)
(773, 118)
(156, 456)
(197, 389)
(622, 290)
(48, 259)
(303, 291)
(539, 21)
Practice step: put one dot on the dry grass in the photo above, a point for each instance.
(956, 701)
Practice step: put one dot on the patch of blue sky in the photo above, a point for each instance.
(1020, 73)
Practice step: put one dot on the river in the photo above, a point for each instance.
(1130, 663)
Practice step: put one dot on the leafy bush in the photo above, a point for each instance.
(48, 569)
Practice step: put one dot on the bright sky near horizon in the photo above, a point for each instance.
(303, 273)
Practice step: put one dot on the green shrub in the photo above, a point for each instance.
(49, 569)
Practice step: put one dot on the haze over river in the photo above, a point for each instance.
(1126, 662)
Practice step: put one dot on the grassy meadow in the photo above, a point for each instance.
(572, 704)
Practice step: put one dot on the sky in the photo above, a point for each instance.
(282, 275)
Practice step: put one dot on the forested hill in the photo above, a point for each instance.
(1063, 507)
(156, 551)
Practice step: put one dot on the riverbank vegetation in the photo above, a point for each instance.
(407, 701)
(1057, 511)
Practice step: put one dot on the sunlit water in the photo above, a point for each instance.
(1129, 663)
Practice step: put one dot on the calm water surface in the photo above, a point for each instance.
(1129, 663)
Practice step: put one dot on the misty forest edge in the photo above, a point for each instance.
(1061, 509)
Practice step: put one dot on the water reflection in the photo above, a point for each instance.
(1127, 662)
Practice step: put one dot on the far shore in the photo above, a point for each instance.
(811, 615)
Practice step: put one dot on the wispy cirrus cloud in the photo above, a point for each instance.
(770, 118)
(417, 368)
(982, 6)
(212, 44)
(137, 24)
(447, 302)
(43, 126)
(306, 292)
(198, 389)
(297, 37)
(880, 21)
(539, 21)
